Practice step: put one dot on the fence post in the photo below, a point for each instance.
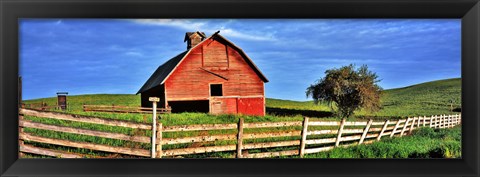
(450, 117)
(442, 118)
(395, 128)
(419, 119)
(437, 121)
(404, 127)
(154, 101)
(460, 118)
(445, 125)
(304, 136)
(442, 124)
(240, 138)
(154, 128)
(430, 121)
(340, 130)
(383, 130)
(413, 125)
(424, 119)
(20, 117)
(20, 131)
(160, 139)
(445, 121)
(454, 120)
(449, 121)
(457, 119)
(365, 131)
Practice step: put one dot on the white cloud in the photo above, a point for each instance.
(184, 24)
(233, 33)
(369, 61)
(130, 53)
(190, 25)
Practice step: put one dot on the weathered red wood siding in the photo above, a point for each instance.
(247, 106)
(250, 106)
(190, 82)
(221, 105)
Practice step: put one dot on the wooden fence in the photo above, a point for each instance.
(40, 106)
(307, 136)
(123, 109)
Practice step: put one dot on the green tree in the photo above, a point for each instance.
(347, 90)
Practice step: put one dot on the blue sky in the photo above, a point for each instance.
(88, 56)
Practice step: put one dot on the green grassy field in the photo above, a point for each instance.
(423, 143)
(423, 99)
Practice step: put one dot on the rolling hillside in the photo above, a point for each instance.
(430, 97)
(422, 99)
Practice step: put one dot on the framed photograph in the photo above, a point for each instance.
(220, 88)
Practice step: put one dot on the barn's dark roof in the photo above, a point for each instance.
(162, 72)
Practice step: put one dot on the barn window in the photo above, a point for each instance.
(216, 90)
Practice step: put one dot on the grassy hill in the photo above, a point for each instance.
(427, 98)
(422, 99)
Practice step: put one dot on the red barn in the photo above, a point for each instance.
(213, 75)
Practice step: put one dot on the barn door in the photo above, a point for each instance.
(222, 105)
(216, 105)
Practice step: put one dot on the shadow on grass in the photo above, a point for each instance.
(378, 118)
(434, 153)
(313, 113)
(294, 112)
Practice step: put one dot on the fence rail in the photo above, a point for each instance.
(296, 137)
(84, 119)
(41, 106)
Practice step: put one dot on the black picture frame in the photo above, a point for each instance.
(11, 11)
